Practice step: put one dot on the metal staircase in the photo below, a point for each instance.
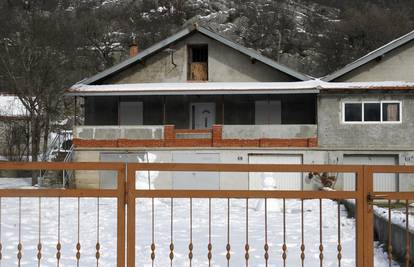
(59, 150)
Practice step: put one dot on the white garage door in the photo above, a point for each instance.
(196, 180)
(382, 182)
(279, 180)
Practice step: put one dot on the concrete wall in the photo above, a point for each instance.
(117, 132)
(397, 65)
(333, 133)
(224, 65)
(164, 180)
(268, 131)
(240, 156)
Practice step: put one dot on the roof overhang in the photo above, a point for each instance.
(238, 88)
(219, 88)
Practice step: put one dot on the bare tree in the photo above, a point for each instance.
(31, 64)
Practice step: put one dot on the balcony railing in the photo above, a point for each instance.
(218, 136)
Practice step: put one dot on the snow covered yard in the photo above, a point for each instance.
(107, 234)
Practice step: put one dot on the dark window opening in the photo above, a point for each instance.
(353, 112)
(198, 63)
(199, 53)
(372, 112)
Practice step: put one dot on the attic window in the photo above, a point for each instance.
(198, 63)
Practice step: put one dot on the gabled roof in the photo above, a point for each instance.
(371, 56)
(183, 33)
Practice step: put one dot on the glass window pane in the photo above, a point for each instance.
(353, 112)
(391, 111)
(372, 112)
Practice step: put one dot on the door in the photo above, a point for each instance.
(279, 180)
(268, 112)
(382, 181)
(196, 180)
(130, 113)
(202, 115)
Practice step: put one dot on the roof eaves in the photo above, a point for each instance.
(370, 56)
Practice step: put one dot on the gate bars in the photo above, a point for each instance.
(358, 195)
(118, 194)
(371, 196)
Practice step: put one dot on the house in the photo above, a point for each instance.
(198, 97)
(14, 128)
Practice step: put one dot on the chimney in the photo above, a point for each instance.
(133, 48)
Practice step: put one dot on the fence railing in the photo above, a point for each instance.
(32, 229)
(160, 227)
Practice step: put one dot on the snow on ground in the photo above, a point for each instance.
(397, 216)
(88, 231)
(11, 106)
(15, 183)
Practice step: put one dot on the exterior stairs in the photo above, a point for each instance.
(59, 150)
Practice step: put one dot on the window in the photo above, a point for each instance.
(199, 53)
(372, 112)
(353, 112)
(391, 111)
(197, 62)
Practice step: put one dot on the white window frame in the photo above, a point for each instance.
(362, 111)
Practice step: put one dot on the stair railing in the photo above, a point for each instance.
(68, 174)
(61, 138)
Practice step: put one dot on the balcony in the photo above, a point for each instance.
(283, 135)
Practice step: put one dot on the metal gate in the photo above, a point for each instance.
(178, 224)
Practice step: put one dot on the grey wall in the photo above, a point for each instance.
(332, 133)
(397, 65)
(224, 64)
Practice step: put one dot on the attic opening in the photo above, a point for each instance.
(197, 62)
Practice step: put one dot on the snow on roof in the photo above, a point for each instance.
(193, 88)
(382, 85)
(312, 86)
(11, 106)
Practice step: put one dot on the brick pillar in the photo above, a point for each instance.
(169, 135)
(217, 134)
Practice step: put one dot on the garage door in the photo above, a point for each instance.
(383, 181)
(279, 180)
(196, 180)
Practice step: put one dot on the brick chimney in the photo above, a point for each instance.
(133, 48)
